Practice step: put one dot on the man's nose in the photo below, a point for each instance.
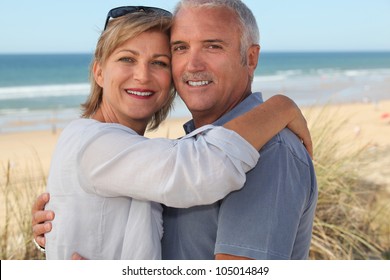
(195, 62)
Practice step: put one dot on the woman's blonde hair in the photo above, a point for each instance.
(118, 31)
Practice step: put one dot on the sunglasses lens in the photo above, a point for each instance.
(121, 11)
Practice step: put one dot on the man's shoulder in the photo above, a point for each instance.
(286, 139)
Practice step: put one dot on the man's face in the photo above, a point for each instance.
(206, 62)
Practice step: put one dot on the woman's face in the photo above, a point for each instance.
(136, 80)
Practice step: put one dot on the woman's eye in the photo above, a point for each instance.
(126, 59)
(161, 63)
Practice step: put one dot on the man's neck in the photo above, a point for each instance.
(199, 121)
(204, 118)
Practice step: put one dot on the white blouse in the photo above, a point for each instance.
(104, 176)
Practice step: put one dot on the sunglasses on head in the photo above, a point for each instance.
(121, 11)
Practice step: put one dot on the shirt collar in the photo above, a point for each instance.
(246, 105)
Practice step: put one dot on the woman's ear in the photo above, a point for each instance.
(98, 73)
(253, 58)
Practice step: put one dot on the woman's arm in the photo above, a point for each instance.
(200, 168)
(263, 122)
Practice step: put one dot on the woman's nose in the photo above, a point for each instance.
(142, 72)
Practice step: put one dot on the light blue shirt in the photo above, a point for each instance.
(270, 218)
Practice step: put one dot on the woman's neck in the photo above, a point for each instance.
(137, 126)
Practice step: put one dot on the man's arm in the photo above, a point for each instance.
(41, 219)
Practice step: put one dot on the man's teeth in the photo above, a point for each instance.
(199, 83)
(139, 93)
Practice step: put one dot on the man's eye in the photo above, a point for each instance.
(214, 47)
(178, 48)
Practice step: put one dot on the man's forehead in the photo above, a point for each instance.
(211, 15)
(205, 21)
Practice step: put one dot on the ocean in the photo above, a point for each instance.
(44, 91)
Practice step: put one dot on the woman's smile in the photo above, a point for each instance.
(140, 93)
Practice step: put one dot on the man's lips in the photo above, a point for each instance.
(198, 79)
(198, 83)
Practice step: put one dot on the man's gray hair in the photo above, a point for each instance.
(248, 25)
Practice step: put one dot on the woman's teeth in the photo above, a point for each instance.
(139, 93)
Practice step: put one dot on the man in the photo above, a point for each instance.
(215, 50)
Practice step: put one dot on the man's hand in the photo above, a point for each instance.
(41, 219)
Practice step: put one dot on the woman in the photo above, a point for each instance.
(104, 173)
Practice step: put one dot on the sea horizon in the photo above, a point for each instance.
(35, 88)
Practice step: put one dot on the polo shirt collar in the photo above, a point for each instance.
(246, 105)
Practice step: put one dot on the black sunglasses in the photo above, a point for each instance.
(121, 11)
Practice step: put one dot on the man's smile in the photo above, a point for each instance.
(198, 83)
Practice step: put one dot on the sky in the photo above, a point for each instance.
(73, 26)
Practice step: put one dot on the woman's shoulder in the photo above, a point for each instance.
(92, 125)
(80, 123)
(79, 126)
(86, 129)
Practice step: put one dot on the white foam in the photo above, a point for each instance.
(22, 92)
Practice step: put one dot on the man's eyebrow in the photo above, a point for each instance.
(219, 41)
(214, 41)
(177, 42)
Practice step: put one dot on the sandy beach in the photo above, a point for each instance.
(365, 123)
(362, 124)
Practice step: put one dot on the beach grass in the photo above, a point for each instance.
(352, 212)
(350, 218)
(20, 185)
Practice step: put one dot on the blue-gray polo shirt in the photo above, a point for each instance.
(270, 218)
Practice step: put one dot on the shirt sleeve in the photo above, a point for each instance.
(197, 169)
(272, 216)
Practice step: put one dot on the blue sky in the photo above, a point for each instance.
(73, 26)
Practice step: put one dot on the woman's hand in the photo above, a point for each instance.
(298, 126)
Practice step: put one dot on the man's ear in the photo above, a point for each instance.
(98, 73)
(253, 58)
